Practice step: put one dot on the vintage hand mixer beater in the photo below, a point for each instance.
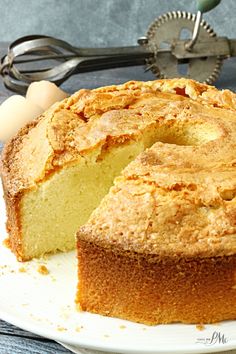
(162, 50)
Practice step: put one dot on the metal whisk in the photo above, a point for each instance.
(60, 60)
(163, 50)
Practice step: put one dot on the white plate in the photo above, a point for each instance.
(78, 350)
(44, 304)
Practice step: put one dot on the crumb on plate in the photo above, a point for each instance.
(61, 329)
(6, 243)
(200, 327)
(78, 328)
(42, 269)
(122, 327)
(4, 266)
(22, 270)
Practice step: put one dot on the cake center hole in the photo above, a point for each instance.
(185, 134)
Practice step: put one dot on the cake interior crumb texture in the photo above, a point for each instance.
(53, 212)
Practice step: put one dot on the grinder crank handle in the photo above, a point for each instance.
(207, 5)
(202, 6)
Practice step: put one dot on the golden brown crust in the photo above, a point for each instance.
(138, 288)
(175, 199)
(80, 124)
(13, 224)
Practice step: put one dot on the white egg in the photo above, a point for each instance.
(45, 93)
(15, 112)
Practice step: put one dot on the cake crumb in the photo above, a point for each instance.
(106, 336)
(22, 270)
(78, 308)
(78, 329)
(61, 329)
(122, 327)
(200, 327)
(3, 266)
(42, 269)
(6, 243)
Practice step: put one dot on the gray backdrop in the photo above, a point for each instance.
(99, 22)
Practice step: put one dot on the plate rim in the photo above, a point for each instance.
(72, 348)
(106, 347)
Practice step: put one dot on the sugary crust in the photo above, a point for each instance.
(93, 121)
(89, 119)
(175, 200)
(156, 290)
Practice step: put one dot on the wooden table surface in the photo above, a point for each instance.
(12, 339)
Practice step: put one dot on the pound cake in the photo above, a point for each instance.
(161, 247)
(58, 168)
